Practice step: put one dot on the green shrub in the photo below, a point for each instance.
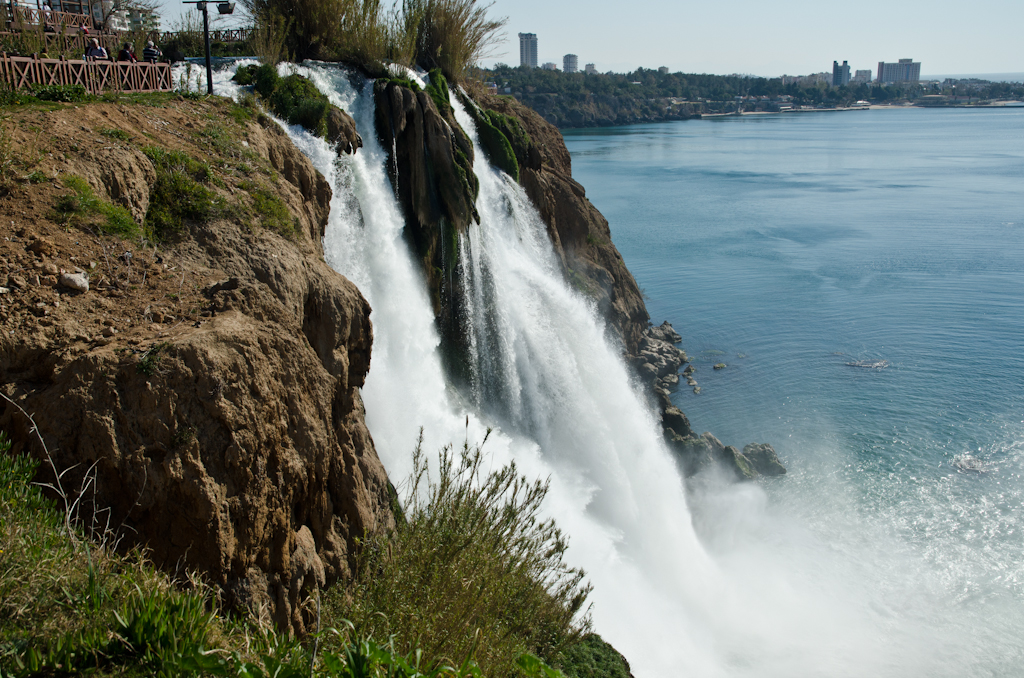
(264, 80)
(290, 91)
(312, 115)
(593, 658)
(83, 205)
(178, 195)
(70, 607)
(65, 93)
(473, 570)
(246, 75)
(293, 98)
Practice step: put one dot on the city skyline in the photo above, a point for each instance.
(793, 37)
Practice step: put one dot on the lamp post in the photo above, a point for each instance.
(222, 8)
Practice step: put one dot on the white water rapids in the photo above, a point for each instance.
(771, 600)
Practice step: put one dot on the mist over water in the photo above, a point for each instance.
(865, 560)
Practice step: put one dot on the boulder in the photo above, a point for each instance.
(763, 459)
(78, 282)
(341, 131)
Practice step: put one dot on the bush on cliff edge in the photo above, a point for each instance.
(473, 570)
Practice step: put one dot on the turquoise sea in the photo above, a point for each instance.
(789, 247)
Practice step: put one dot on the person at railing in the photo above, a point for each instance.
(96, 51)
(47, 17)
(127, 53)
(151, 53)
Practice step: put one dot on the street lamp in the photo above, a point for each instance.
(222, 8)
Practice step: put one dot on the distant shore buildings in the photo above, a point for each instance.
(590, 69)
(570, 63)
(905, 70)
(861, 77)
(528, 50)
(840, 74)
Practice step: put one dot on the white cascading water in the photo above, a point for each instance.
(780, 605)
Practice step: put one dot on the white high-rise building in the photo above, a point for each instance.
(570, 63)
(907, 70)
(528, 50)
(590, 69)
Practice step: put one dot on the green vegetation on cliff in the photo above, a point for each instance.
(472, 584)
(472, 570)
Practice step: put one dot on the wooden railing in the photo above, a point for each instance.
(225, 35)
(96, 76)
(23, 18)
(68, 44)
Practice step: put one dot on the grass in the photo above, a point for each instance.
(273, 213)
(473, 571)
(70, 606)
(450, 35)
(62, 93)
(180, 194)
(119, 134)
(82, 206)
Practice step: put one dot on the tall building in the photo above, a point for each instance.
(590, 69)
(907, 70)
(528, 50)
(570, 63)
(861, 77)
(840, 74)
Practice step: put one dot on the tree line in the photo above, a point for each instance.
(643, 95)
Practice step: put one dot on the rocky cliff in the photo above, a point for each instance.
(201, 398)
(590, 261)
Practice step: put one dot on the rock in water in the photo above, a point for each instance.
(75, 281)
(764, 460)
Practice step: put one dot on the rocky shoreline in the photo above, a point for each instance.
(658, 364)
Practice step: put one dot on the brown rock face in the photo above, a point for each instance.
(341, 131)
(578, 231)
(228, 437)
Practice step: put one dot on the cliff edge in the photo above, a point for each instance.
(196, 381)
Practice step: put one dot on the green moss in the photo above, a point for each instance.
(470, 184)
(498, 148)
(438, 91)
(401, 82)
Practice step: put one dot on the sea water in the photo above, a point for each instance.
(861, 275)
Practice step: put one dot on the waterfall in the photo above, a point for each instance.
(562, 405)
(556, 392)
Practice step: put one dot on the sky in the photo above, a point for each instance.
(793, 37)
